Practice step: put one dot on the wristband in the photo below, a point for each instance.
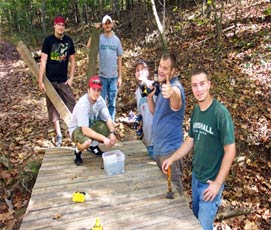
(112, 132)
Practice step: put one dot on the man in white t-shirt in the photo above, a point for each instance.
(142, 74)
(90, 121)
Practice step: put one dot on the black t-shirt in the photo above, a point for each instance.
(58, 52)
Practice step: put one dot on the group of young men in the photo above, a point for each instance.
(211, 132)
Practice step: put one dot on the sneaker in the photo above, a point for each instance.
(78, 160)
(96, 150)
(58, 141)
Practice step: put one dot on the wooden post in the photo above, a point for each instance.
(93, 51)
(50, 90)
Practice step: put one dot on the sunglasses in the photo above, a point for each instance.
(96, 82)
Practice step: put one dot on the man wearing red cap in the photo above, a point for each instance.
(90, 121)
(57, 52)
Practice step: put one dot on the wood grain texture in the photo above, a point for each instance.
(132, 200)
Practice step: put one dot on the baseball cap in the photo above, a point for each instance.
(59, 19)
(95, 82)
(141, 62)
(105, 18)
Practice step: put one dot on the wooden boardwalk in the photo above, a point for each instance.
(132, 200)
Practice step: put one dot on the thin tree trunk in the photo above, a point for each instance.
(218, 22)
(159, 25)
(43, 12)
(84, 13)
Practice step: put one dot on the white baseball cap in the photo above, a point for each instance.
(105, 18)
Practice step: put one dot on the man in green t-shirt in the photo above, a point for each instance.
(211, 137)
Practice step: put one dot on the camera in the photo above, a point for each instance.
(145, 90)
(138, 126)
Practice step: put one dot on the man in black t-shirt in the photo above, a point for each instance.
(57, 51)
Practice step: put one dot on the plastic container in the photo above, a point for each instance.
(113, 162)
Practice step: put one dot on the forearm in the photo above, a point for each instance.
(42, 67)
(120, 67)
(226, 163)
(175, 100)
(89, 42)
(41, 72)
(151, 104)
(43, 62)
(72, 66)
(183, 150)
(110, 125)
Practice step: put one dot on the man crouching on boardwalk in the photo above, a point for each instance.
(91, 121)
(211, 137)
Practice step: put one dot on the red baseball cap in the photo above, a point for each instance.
(95, 82)
(59, 19)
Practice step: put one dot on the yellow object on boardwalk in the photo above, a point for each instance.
(78, 197)
(97, 225)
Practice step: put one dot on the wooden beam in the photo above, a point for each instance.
(50, 90)
(93, 51)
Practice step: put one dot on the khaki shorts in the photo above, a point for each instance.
(98, 126)
(176, 171)
(66, 94)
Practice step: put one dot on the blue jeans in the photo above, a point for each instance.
(150, 150)
(109, 94)
(205, 211)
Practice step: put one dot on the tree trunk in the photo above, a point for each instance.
(43, 13)
(115, 9)
(76, 11)
(84, 13)
(218, 22)
(159, 25)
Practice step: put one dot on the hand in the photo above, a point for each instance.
(210, 193)
(97, 25)
(107, 142)
(167, 89)
(112, 138)
(119, 82)
(69, 81)
(143, 75)
(42, 87)
(153, 90)
(166, 165)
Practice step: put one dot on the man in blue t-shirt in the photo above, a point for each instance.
(57, 51)
(211, 137)
(110, 68)
(110, 63)
(168, 114)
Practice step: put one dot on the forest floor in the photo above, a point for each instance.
(241, 70)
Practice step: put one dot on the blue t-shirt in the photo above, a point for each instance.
(167, 125)
(58, 51)
(109, 49)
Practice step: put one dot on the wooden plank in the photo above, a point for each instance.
(93, 51)
(50, 90)
(132, 200)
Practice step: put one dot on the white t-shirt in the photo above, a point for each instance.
(85, 113)
(143, 109)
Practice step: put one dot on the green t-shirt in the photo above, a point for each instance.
(211, 130)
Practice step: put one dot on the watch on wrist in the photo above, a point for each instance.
(112, 132)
